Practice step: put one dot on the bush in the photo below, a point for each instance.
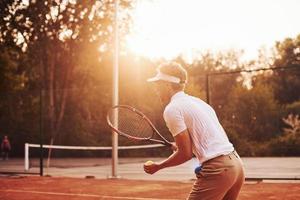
(242, 145)
(289, 142)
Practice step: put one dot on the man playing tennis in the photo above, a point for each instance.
(196, 130)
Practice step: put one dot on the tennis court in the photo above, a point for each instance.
(285, 168)
(94, 93)
(44, 188)
(173, 183)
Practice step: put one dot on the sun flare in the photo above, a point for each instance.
(167, 28)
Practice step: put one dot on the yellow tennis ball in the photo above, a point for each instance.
(149, 162)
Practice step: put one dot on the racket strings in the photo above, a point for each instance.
(135, 125)
(131, 123)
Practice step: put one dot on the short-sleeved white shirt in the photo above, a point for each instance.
(208, 137)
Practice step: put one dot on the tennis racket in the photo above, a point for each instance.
(133, 124)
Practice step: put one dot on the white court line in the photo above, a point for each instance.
(82, 195)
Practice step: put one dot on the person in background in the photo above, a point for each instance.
(5, 147)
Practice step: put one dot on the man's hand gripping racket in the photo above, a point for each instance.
(133, 124)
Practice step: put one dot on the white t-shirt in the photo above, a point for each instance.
(208, 137)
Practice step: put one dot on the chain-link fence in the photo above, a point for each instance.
(259, 109)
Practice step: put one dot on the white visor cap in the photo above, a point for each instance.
(165, 77)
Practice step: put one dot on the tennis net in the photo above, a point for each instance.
(80, 156)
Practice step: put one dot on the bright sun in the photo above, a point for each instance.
(167, 28)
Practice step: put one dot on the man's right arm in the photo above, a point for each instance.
(181, 155)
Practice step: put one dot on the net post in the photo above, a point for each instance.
(115, 93)
(41, 132)
(26, 157)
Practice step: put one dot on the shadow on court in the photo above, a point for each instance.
(44, 188)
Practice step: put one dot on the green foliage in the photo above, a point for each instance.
(287, 82)
(289, 142)
(12, 74)
(18, 104)
(293, 108)
(241, 144)
(253, 113)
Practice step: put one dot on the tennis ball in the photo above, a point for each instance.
(149, 162)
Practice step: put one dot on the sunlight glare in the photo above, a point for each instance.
(168, 28)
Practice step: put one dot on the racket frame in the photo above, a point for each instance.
(154, 130)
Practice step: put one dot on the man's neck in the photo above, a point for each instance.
(173, 93)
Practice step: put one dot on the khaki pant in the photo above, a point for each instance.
(221, 178)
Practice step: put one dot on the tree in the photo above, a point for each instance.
(287, 144)
(18, 103)
(62, 40)
(287, 82)
(220, 82)
(253, 113)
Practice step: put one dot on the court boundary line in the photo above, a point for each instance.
(81, 195)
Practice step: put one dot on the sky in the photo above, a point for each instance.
(167, 28)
